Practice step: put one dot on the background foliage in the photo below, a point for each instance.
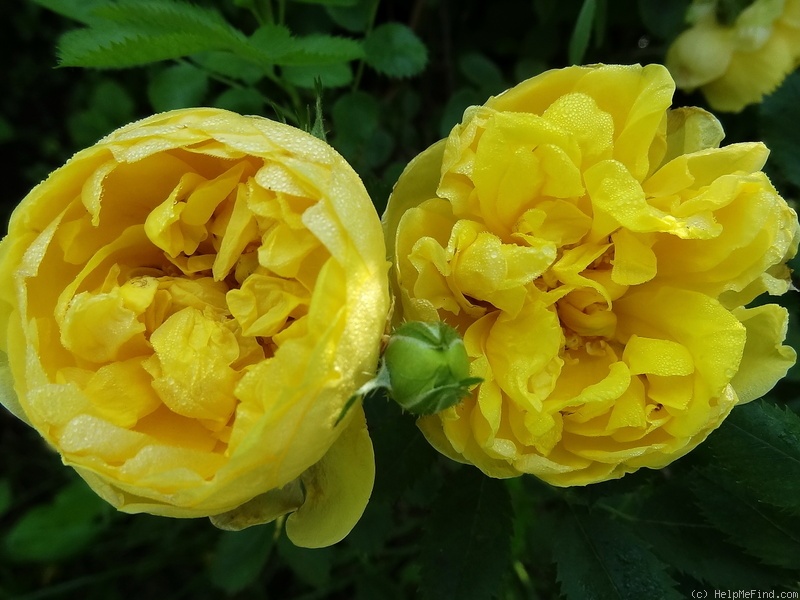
(387, 78)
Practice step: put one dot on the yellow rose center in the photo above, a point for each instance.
(167, 315)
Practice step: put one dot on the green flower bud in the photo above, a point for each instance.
(427, 367)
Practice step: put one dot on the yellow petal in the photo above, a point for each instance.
(659, 357)
(713, 337)
(526, 366)
(337, 489)
(700, 55)
(99, 327)
(418, 183)
(765, 359)
(634, 261)
(264, 304)
(191, 365)
(121, 393)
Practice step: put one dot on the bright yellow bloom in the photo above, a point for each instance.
(188, 305)
(739, 63)
(595, 249)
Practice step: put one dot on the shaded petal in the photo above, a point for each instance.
(765, 359)
(337, 489)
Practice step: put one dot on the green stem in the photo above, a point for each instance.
(266, 8)
(281, 12)
(290, 91)
(259, 19)
(370, 25)
(285, 87)
(211, 74)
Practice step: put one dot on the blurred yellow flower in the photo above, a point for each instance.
(188, 305)
(596, 250)
(738, 63)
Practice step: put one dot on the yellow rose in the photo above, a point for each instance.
(595, 249)
(188, 305)
(739, 63)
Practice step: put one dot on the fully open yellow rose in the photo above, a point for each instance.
(187, 306)
(595, 250)
(738, 63)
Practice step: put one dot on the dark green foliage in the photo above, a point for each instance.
(133, 33)
(244, 100)
(310, 566)
(355, 18)
(5, 496)
(358, 132)
(394, 50)
(600, 559)
(668, 519)
(664, 19)
(779, 117)
(109, 106)
(177, 86)
(759, 448)
(583, 31)
(763, 530)
(59, 529)
(240, 556)
(467, 538)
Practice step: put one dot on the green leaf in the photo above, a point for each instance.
(372, 531)
(110, 106)
(116, 48)
(246, 101)
(402, 455)
(231, 65)
(759, 446)
(763, 531)
(482, 72)
(358, 134)
(466, 544)
(169, 16)
(779, 122)
(378, 149)
(177, 86)
(318, 49)
(582, 32)
(681, 537)
(271, 42)
(601, 559)
(600, 23)
(312, 566)
(355, 115)
(78, 10)
(240, 557)
(355, 18)
(393, 49)
(372, 584)
(58, 530)
(331, 76)
(134, 33)
(664, 20)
